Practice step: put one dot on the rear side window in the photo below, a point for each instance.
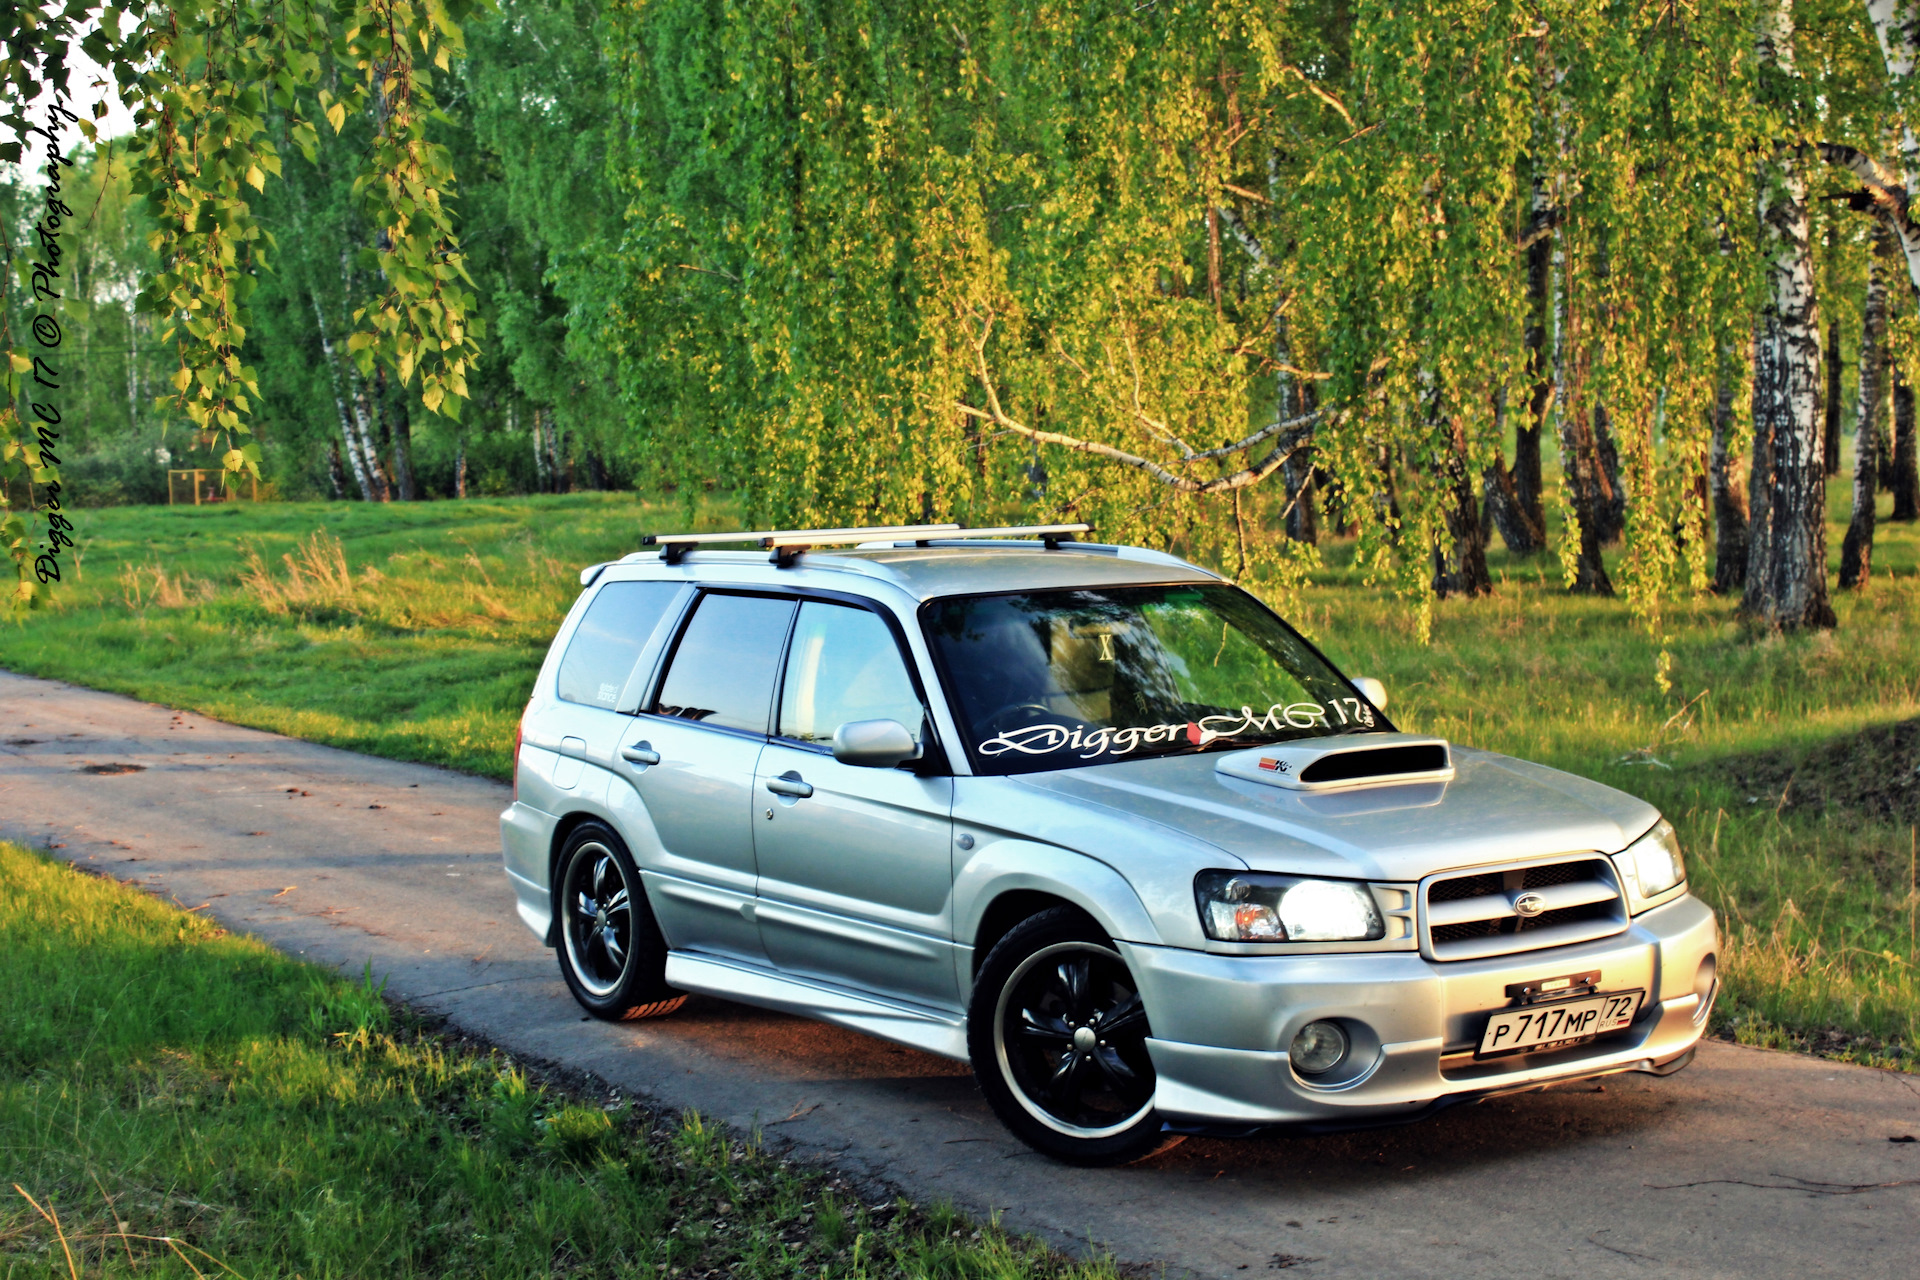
(608, 640)
(722, 673)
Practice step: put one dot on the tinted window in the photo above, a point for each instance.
(608, 640)
(843, 665)
(722, 673)
(1057, 679)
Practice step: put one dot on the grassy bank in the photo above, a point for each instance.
(414, 631)
(178, 1102)
(407, 630)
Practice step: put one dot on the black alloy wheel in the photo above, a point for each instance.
(1057, 1035)
(612, 953)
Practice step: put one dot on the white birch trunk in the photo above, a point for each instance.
(340, 403)
(363, 429)
(1786, 495)
(1856, 553)
(539, 450)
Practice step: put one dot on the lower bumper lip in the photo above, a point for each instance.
(1220, 1045)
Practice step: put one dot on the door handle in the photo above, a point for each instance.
(789, 784)
(640, 753)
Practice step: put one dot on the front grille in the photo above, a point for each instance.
(1471, 914)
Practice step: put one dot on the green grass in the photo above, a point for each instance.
(425, 651)
(176, 1101)
(427, 656)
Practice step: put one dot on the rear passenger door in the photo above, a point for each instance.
(856, 865)
(690, 754)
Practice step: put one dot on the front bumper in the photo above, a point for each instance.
(1222, 1024)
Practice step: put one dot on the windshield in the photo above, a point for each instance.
(1055, 679)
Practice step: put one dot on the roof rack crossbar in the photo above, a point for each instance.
(788, 544)
(1051, 534)
(675, 545)
(786, 547)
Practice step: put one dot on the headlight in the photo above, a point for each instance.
(1653, 861)
(1247, 906)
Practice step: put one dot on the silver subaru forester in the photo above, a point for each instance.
(1087, 817)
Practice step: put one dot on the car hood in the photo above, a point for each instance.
(1495, 809)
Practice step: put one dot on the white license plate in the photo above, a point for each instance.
(1542, 1025)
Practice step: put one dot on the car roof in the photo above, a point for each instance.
(927, 571)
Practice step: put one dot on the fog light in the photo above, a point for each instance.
(1318, 1048)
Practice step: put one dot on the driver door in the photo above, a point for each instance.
(856, 864)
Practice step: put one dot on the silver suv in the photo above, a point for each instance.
(1087, 817)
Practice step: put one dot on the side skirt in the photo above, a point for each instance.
(930, 1030)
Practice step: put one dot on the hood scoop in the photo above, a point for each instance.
(1341, 764)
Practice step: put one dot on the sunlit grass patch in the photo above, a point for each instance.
(177, 1100)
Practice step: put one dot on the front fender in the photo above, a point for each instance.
(1004, 866)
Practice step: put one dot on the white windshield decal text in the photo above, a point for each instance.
(1047, 738)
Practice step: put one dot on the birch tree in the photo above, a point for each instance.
(1786, 495)
(1856, 552)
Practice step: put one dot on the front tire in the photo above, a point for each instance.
(1057, 1035)
(612, 953)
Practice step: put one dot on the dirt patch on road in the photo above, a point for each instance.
(1873, 775)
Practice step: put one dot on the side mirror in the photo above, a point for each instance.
(874, 744)
(1372, 690)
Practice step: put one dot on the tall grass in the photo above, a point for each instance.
(178, 1102)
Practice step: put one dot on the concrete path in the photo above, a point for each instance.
(1748, 1164)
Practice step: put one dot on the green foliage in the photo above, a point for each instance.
(203, 80)
(423, 321)
(899, 262)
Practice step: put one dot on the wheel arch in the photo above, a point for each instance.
(1013, 880)
(1006, 912)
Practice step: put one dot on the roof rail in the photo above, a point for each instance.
(788, 544)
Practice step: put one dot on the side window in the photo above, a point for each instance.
(722, 673)
(843, 665)
(609, 638)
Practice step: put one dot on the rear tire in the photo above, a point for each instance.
(1057, 1035)
(612, 953)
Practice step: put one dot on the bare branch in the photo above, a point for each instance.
(707, 271)
(1313, 87)
(1288, 429)
(1887, 194)
(1882, 185)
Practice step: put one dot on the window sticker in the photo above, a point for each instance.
(1089, 743)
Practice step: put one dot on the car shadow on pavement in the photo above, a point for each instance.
(1563, 1119)
(1517, 1127)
